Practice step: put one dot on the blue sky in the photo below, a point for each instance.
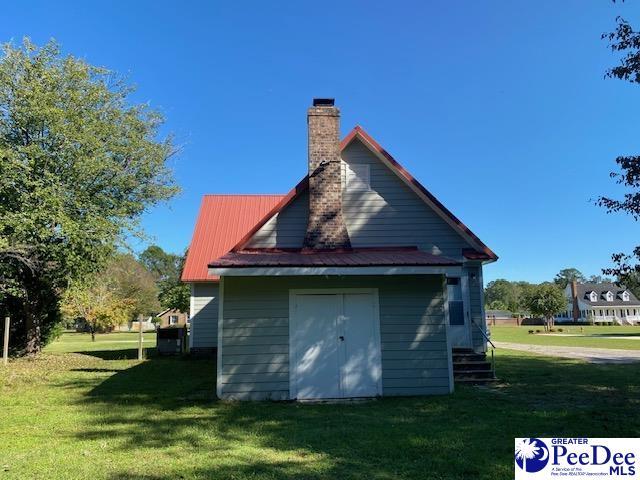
(499, 108)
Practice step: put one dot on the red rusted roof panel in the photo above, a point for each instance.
(223, 220)
(365, 257)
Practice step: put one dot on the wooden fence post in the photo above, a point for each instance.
(140, 338)
(5, 345)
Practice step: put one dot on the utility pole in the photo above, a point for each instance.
(5, 345)
(140, 338)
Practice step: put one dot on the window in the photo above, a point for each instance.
(456, 305)
(593, 296)
(608, 296)
(358, 177)
(173, 319)
(625, 296)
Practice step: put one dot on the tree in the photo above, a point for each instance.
(567, 275)
(96, 304)
(167, 268)
(632, 283)
(129, 280)
(598, 279)
(502, 294)
(161, 264)
(626, 41)
(546, 300)
(176, 296)
(79, 164)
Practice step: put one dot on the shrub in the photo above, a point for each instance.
(552, 330)
(530, 331)
(538, 330)
(560, 330)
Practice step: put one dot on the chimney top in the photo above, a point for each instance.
(324, 102)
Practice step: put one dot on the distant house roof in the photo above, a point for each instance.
(223, 220)
(584, 289)
(362, 257)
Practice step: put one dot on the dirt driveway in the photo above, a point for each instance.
(593, 355)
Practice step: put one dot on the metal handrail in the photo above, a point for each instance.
(484, 334)
(493, 347)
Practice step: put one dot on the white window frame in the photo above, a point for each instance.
(358, 177)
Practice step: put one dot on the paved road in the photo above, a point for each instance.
(593, 355)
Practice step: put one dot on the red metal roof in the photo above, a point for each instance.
(223, 220)
(358, 132)
(363, 257)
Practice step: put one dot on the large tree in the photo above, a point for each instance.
(79, 163)
(625, 41)
(502, 294)
(93, 302)
(546, 300)
(567, 275)
(167, 268)
(119, 293)
(130, 280)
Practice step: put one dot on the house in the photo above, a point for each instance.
(600, 303)
(172, 317)
(357, 283)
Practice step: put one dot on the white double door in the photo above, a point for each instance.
(335, 345)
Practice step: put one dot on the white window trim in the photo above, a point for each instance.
(360, 174)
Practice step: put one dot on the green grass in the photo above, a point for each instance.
(94, 415)
(121, 343)
(593, 336)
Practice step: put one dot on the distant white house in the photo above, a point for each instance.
(600, 303)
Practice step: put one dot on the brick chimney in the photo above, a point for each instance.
(326, 229)
(574, 297)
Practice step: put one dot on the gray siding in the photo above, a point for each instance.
(204, 316)
(255, 334)
(255, 339)
(390, 214)
(286, 229)
(476, 308)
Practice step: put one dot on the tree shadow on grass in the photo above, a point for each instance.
(170, 403)
(122, 354)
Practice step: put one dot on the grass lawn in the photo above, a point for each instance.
(593, 336)
(97, 414)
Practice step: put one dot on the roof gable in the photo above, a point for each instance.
(482, 252)
(222, 221)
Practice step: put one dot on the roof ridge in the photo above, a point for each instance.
(244, 194)
(359, 132)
